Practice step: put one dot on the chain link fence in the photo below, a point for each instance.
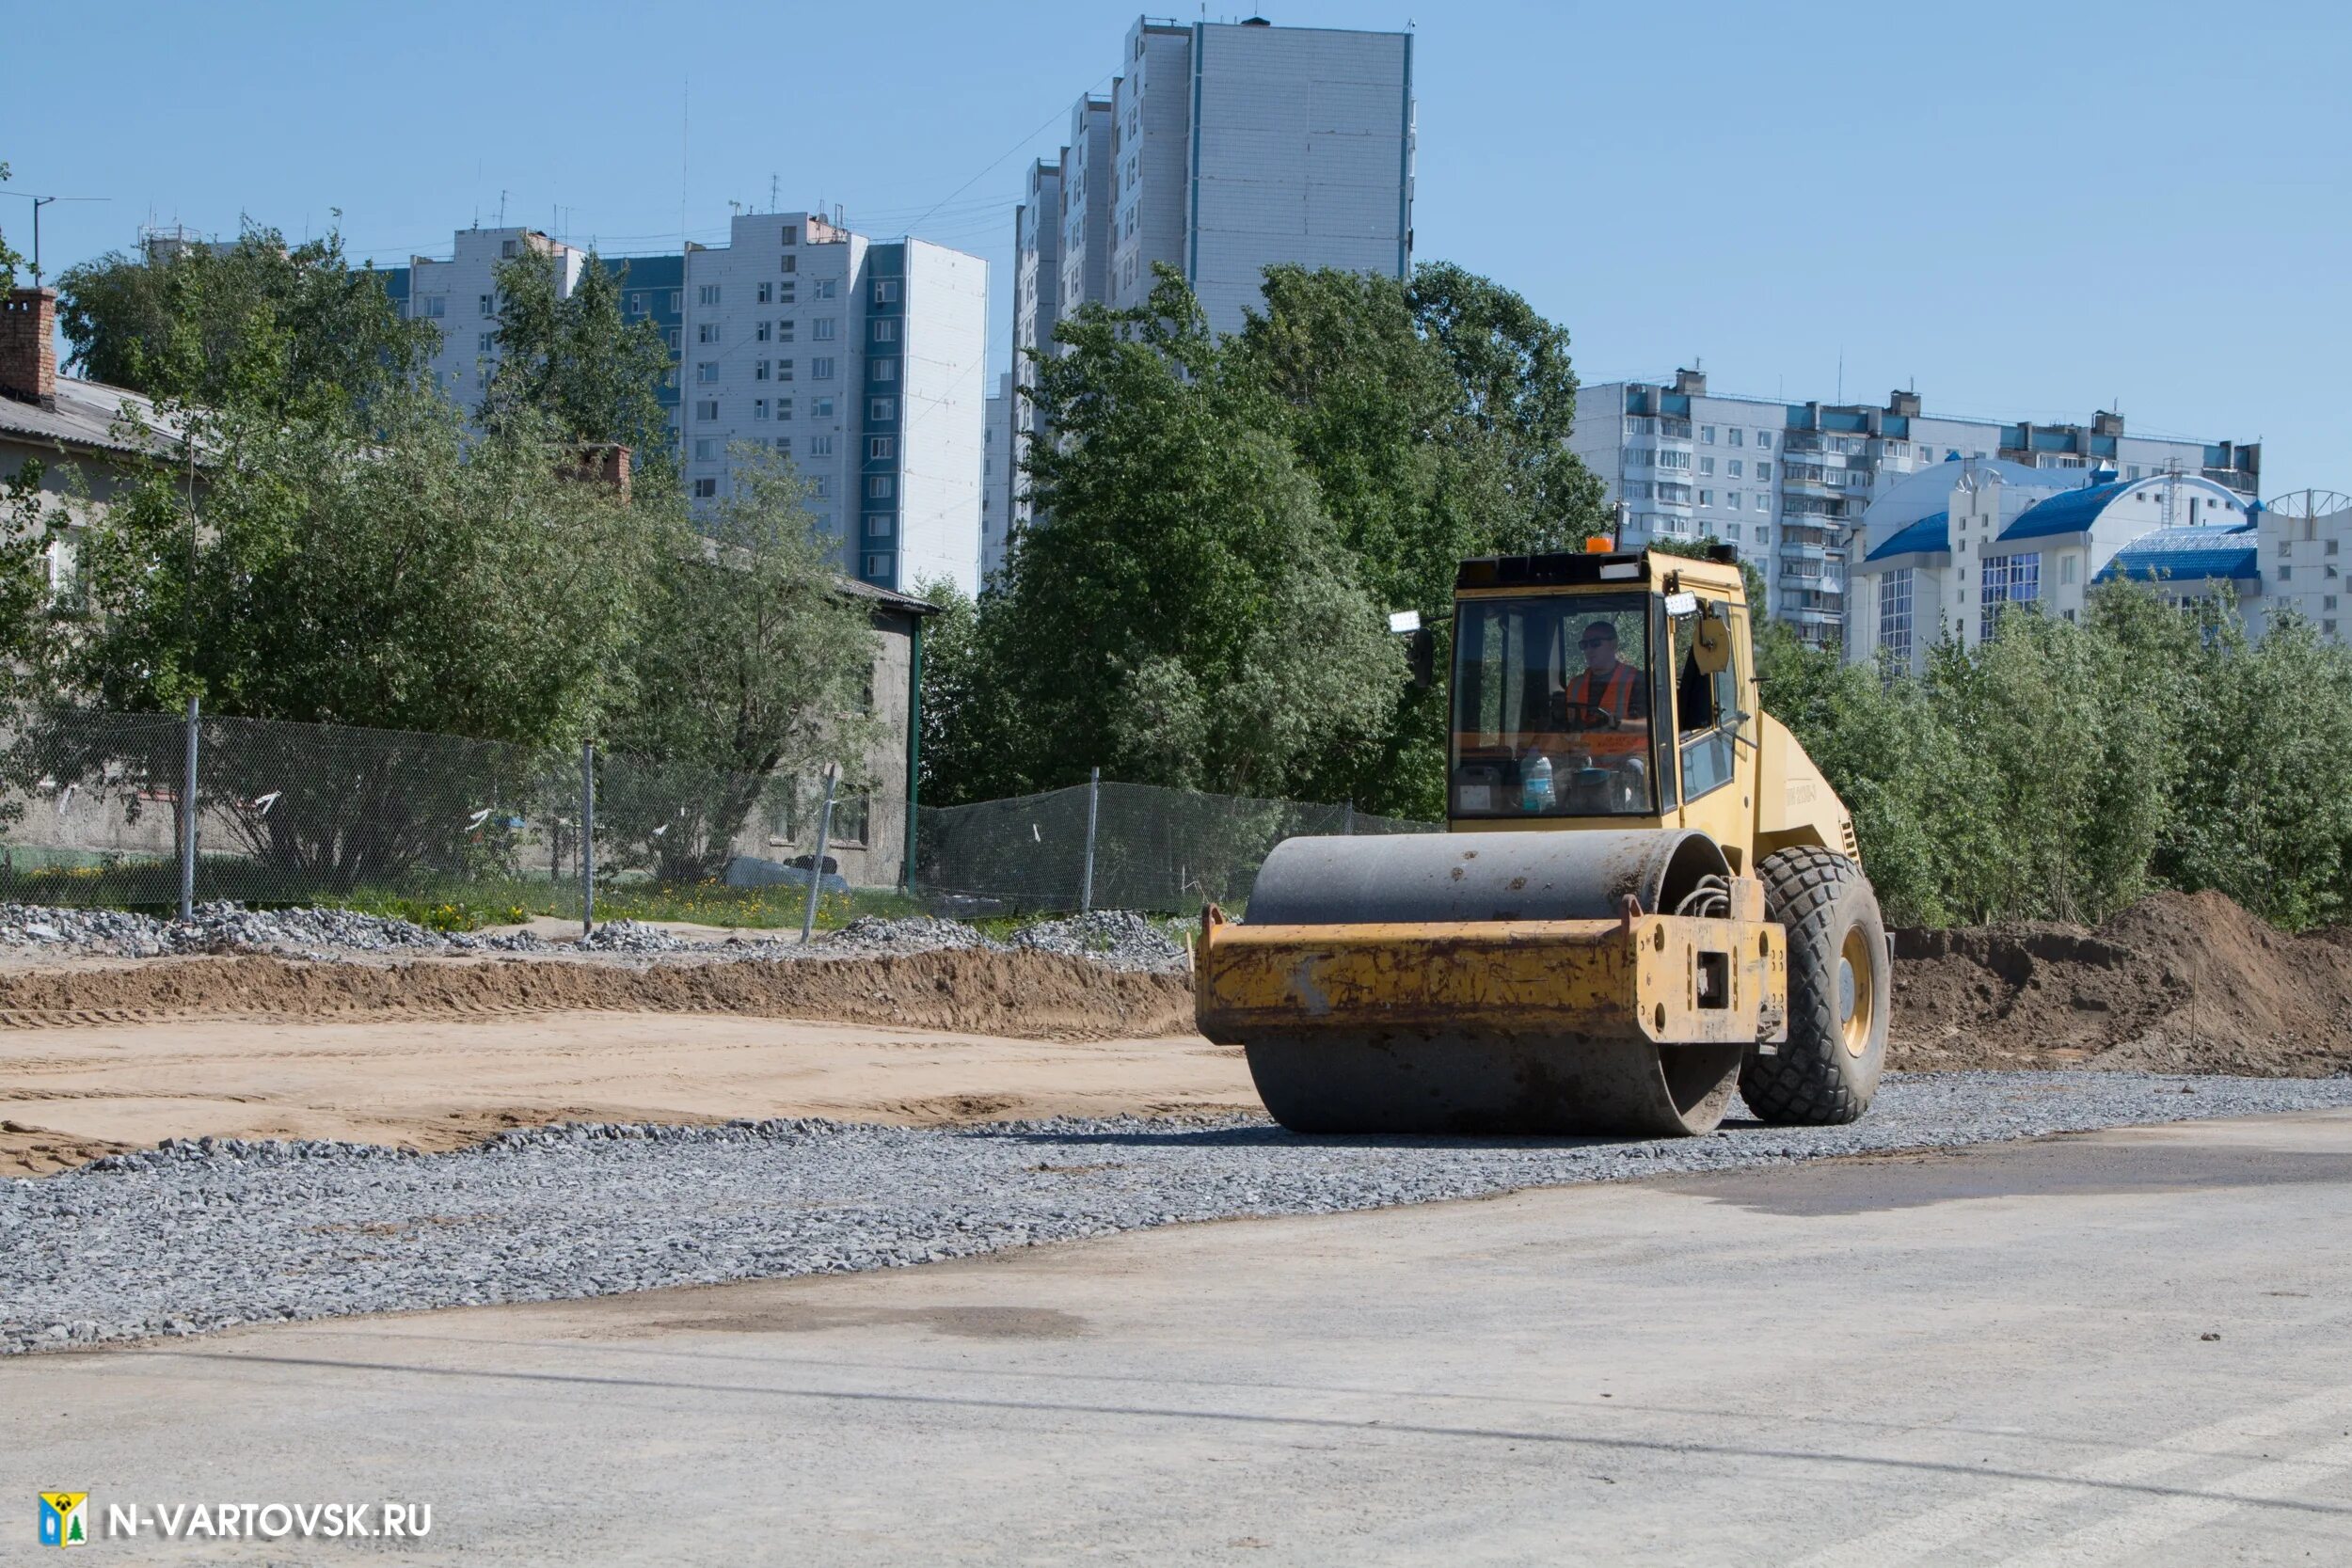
(96, 810)
(1113, 846)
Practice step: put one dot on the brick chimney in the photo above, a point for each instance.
(605, 463)
(28, 347)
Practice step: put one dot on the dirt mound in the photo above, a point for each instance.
(2177, 983)
(1036, 995)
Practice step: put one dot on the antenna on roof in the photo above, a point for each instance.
(774, 182)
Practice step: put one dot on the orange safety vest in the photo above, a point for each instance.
(1617, 691)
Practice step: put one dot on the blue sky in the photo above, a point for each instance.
(2028, 213)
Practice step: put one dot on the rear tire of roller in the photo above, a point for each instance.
(1839, 992)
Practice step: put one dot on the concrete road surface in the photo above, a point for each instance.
(2127, 1348)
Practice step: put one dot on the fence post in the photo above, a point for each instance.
(816, 862)
(187, 821)
(1347, 823)
(587, 838)
(1094, 804)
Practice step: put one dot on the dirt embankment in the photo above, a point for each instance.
(1036, 995)
(2178, 983)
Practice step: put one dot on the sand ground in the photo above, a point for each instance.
(69, 1094)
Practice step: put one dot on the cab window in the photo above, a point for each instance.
(1706, 706)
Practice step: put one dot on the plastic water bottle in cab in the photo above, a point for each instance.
(1537, 794)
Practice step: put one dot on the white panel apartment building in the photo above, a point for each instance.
(460, 297)
(860, 360)
(1223, 149)
(1789, 482)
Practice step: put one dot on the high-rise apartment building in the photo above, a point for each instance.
(1222, 148)
(995, 475)
(1787, 482)
(860, 360)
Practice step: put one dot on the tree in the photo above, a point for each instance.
(753, 670)
(579, 360)
(256, 323)
(9, 260)
(1184, 611)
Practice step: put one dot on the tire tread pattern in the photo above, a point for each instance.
(1806, 1085)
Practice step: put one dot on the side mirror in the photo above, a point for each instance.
(1420, 657)
(1711, 644)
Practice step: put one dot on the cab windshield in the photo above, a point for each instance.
(1553, 699)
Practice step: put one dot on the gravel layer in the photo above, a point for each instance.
(202, 1235)
(1115, 939)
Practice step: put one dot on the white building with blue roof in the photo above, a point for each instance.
(1944, 550)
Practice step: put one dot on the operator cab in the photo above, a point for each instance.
(1591, 686)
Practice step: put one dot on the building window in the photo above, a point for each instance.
(822, 287)
(820, 330)
(791, 234)
(820, 368)
(507, 249)
(2006, 579)
(824, 487)
(784, 446)
(436, 307)
(784, 369)
(674, 339)
(885, 290)
(783, 408)
(759, 408)
(820, 445)
(761, 331)
(707, 371)
(784, 291)
(486, 344)
(489, 305)
(2286, 573)
(884, 448)
(1669, 458)
(877, 566)
(1731, 499)
(1895, 615)
(1734, 438)
(883, 410)
(1707, 434)
(2066, 568)
(759, 370)
(706, 410)
(767, 293)
(707, 295)
(705, 332)
(705, 489)
(886, 330)
(820, 408)
(1764, 438)
(705, 449)
(785, 330)
(678, 300)
(788, 263)
(1707, 497)
(878, 525)
(880, 487)
(1763, 472)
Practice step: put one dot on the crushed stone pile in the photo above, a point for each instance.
(1119, 939)
(2177, 983)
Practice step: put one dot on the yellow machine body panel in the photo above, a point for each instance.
(1666, 978)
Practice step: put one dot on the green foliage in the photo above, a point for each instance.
(2060, 771)
(417, 579)
(256, 323)
(1184, 611)
(9, 260)
(578, 360)
(751, 671)
(1223, 524)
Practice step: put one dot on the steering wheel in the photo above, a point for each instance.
(1600, 718)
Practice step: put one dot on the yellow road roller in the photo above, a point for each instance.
(1646, 895)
